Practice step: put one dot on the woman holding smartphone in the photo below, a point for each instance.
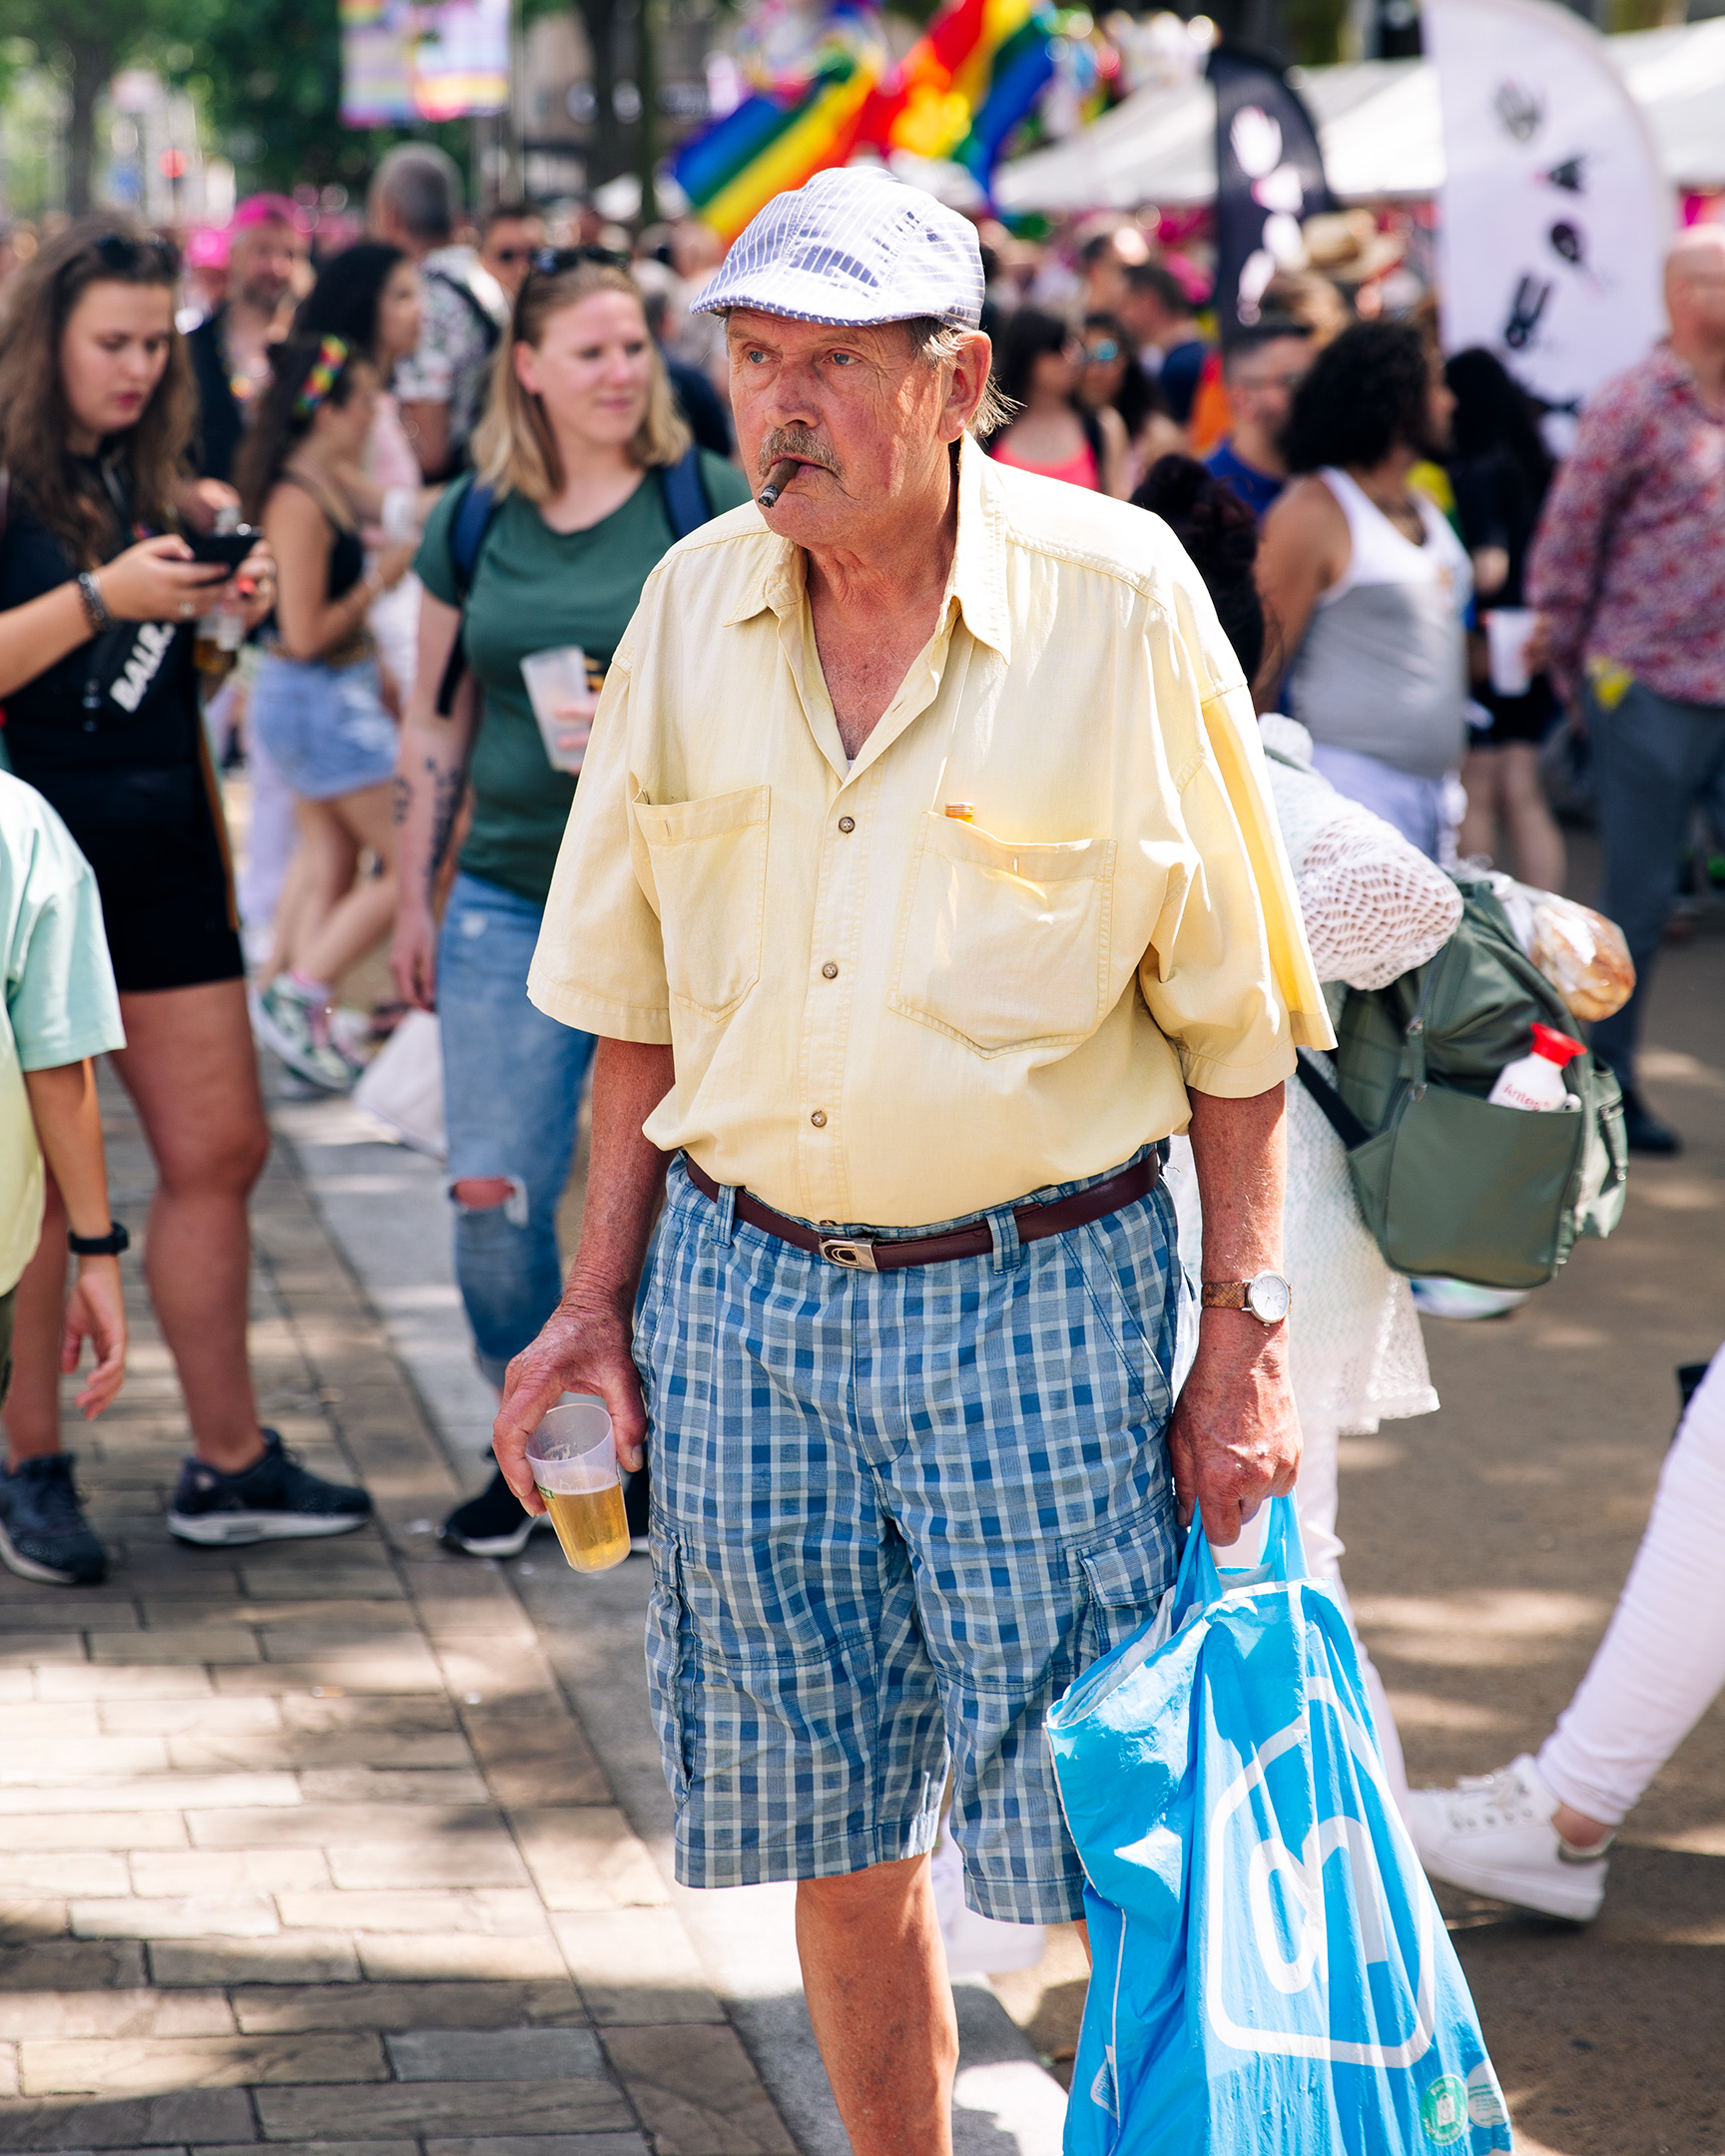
(579, 436)
(100, 596)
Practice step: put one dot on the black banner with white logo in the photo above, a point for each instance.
(1269, 179)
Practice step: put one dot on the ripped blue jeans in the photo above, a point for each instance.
(512, 1081)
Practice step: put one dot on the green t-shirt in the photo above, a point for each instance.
(533, 589)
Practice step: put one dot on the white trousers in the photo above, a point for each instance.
(1661, 1662)
(1315, 1499)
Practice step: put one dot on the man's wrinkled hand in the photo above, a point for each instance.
(585, 1348)
(1234, 1435)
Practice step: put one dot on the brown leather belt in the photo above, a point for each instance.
(862, 1254)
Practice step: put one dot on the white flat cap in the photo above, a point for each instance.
(852, 248)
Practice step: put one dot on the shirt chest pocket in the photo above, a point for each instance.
(708, 867)
(1005, 944)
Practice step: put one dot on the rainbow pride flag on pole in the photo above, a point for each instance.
(968, 81)
(977, 70)
(772, 142)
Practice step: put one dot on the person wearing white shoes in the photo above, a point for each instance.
(1536, 1833)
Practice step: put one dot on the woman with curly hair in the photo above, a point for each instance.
(1365, 583)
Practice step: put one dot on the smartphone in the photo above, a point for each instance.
(230, 549)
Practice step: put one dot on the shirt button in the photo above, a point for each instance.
(847, 823)
(829, 971)
(819, 1118)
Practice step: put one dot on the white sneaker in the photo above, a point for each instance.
(1492, 1834)
(1436, 1296)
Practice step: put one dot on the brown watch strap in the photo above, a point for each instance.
(1223, 1294)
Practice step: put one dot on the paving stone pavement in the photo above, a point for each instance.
(303, 1846)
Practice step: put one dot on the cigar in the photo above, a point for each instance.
(778, 479)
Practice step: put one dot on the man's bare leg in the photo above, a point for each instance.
(875, 1974)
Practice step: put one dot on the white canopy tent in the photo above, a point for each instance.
(1380, 126)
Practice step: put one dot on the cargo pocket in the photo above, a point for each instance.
(1124, 1581)
(1005, 944)
(709, 861)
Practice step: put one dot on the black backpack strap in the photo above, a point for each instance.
(468, 530)
(685, 490)
(481, 314)
(1333, 1109)
(1092, 426)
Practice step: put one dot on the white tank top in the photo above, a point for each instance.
(1381, 553)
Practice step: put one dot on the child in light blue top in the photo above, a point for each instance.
(58, 1011)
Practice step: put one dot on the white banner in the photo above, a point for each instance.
(1553, 215)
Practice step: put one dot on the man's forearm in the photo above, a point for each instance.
(1240, 1153)
(626, 1173)
(1234, 1437)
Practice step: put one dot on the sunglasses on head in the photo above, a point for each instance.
(556, 262)
(124, 254)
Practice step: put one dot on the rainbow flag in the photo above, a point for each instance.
(968, 81)
(773, 140)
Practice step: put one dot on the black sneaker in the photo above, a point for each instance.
(42, 1532)
(493, 1524)
(1642, 1130)
(273, 1501)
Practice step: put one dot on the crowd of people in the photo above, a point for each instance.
(319, 512)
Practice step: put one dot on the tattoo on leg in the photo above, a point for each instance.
(400, 799)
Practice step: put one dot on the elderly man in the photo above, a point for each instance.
(918, 884)
(1628, 572)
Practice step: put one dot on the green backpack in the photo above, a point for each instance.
(1447, 1182)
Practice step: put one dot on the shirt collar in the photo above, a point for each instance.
(977, 581)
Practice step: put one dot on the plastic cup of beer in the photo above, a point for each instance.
(554, 680)
(1507, 630)
(573, 1458)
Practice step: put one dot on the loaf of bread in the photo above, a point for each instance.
(1582, 954)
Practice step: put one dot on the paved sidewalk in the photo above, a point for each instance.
(303, 1844)
(307, 1846)
(385, 1209)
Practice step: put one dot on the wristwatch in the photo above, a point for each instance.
(100, 1246)
(1267, 1297)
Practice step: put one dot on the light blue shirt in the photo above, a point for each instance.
(60, 1002)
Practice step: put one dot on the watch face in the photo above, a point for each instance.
(1268, 1298)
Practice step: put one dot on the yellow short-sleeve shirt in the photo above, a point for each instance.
(883, 1015)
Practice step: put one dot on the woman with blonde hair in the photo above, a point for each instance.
(583, 476)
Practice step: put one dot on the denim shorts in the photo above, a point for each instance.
(895, 1514)
(324, 728)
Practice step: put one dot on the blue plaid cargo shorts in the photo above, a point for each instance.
(895, 1514)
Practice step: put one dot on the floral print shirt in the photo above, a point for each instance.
(1630, 562)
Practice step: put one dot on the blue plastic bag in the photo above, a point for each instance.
(1270, 1972)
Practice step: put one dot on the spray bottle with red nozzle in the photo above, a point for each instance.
(1536, 1080)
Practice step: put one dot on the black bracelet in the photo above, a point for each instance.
(95, 605)
(100, 1246)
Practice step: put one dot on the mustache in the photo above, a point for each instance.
(798, 442)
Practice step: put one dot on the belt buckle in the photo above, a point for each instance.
(856, 1253)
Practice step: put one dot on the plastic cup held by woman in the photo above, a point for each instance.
(555, 679)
